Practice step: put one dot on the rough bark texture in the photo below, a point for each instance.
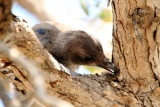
(5, 16)
(136, 53)
(90, 91)
(136, 49)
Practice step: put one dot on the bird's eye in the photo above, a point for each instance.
(41, 31)
(88, 59)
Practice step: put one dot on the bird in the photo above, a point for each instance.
(73, 48)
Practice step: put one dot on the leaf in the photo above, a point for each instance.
(84, 7)
(105, 15)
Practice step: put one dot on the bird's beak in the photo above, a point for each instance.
(108, 66)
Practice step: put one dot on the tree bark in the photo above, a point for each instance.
(136, 49)
(58, 83)
(136, 52)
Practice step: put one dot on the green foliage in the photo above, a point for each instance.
(84, 7)
(105, 15)
(96, 10)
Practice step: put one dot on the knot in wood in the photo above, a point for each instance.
(143, 17)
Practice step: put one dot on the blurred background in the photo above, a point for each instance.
(92, 16)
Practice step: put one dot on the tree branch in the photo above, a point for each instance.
(36, 76)
(75, 90)
(6, 100)
(5, 16)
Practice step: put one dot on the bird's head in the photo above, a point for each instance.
(45, 29)
(83, 49)
(46, 33)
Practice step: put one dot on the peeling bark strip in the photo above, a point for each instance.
(136, 48)
(5, 16)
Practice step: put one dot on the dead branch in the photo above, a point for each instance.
(36, 76)
(92, 87)
(3, 95)
(38, 8)
(5, 16)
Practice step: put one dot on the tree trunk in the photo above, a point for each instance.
(136, 38)
(136, 52)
